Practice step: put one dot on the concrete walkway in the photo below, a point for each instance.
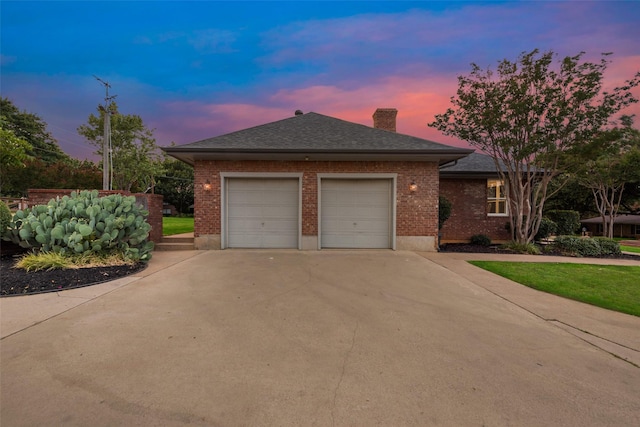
(316, 338)
(616, 333)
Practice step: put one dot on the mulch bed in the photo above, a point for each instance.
(16, 281)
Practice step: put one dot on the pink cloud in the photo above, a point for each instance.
(415, 100)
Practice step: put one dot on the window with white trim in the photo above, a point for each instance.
(496, 198)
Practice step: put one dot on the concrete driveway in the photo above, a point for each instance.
(331, 338)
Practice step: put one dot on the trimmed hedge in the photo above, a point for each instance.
(587, 247)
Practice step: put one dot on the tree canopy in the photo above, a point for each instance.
(528, 115)
(176, 184)
(31, 128)
(136, 160)
(13, 152)
(606, 165)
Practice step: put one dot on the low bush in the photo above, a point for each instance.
(480, 239)
(587, 247)
(522, 248)
(608, 246)
(84, 223)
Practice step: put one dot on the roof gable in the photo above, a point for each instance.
(325, 137)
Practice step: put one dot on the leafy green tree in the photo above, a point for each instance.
(176, 184)
(68, 174)
(136, 161)
(13, 152)
(568, 194)
(527, 115)
(31, 128)
(605, 165)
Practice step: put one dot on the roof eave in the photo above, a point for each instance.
(191, 155)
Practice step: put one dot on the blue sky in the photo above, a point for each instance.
(194, 70)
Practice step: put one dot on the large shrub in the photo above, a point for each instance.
(547, 228)
(5, 217)
(83, 223)
(588, 247)
(567, 222)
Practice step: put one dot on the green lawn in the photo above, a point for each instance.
(176, 225)
(608, 286)
(634, 249)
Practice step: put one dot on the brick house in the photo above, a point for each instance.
(478, 198)
(312, 181)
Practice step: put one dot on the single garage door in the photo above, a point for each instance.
(262, 213)
(356, 213)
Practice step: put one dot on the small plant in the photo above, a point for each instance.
(480, 239)
(522, 248)
(37, 261)
(44, 261)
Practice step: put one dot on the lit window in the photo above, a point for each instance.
(496, 198)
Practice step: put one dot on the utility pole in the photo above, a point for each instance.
(107, 159)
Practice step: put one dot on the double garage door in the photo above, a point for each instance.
(265, 213)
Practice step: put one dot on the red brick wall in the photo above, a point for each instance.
(151, 202)
(469, 212)
(416, 213)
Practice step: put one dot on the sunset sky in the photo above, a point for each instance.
(198, 69)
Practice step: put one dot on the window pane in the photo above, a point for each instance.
(496, 197)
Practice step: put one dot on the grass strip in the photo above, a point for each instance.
(176, 225)
(633, 249)
(612, 287)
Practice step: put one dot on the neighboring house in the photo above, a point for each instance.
(478, 198)
(169, 209)
(624, 225)
(312, 181)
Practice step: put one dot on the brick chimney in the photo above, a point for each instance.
(385, 118)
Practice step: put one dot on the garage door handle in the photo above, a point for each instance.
(355, 223)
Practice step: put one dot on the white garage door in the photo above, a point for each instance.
(356, 213)
(262, 213)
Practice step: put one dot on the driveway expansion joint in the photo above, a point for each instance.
(344, 367)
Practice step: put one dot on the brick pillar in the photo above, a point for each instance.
(153, 204)
(385, 118)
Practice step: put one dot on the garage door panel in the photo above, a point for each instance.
(356, 213)
(262, 213)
